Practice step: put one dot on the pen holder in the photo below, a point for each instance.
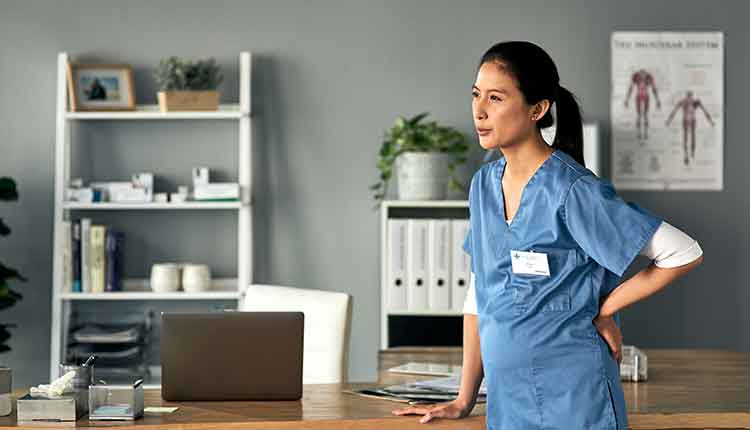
(116, 402)
(84, 377)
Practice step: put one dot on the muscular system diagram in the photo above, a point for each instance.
(642, 80)
(689, 105)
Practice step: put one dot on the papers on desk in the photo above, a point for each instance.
(427, 368)
(430, 391)
(449, 384)
(160, 409)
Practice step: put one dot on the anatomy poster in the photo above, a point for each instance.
(667, 110)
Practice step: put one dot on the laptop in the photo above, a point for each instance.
(231, 356)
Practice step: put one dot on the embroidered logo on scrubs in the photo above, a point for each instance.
(529, 263)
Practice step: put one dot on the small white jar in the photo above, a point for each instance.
(165, 277)
(196, 278)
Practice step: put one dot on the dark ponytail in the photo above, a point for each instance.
(537, 78)
(569, 132)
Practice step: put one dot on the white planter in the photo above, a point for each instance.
(422, 175)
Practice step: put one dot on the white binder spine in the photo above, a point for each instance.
(461, 264)
(397, 248)
(418, 264)
(439, 264)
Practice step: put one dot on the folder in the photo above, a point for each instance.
(439, 291)
(461, 264)
(418, 264)
(397, 247)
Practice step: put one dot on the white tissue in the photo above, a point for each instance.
(58, 387)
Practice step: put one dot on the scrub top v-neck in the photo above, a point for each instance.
(501, 197)
(544, 362)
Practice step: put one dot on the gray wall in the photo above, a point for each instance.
(330, 77)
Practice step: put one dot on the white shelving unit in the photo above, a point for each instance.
(150, 206)
(138, 289)
(152, 112)
(422, 208)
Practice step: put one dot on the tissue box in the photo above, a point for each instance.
(82, 195)
(68, 407)
(116, 402)
(217, 191)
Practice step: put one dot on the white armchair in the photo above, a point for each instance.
(327, 326)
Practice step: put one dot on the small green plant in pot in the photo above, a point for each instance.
(188, 85)
(424, 156)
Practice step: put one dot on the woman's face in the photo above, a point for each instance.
(502, 117)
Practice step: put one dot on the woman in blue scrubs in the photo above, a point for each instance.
(549, 242)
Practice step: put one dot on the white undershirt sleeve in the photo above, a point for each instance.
(669, 247)
(470, 302)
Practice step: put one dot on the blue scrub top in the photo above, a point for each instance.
(545, 364)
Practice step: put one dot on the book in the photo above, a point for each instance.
(98, 258)
(76, 256)
(66, 243)
(113, 264)
(85, 255)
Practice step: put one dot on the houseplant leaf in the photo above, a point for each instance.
(8, 189)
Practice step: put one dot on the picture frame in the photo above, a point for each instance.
(100, 87)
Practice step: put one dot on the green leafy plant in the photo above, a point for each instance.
(414, 135)
(8, 297)
(176, 74)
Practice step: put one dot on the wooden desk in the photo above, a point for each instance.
(686, 389)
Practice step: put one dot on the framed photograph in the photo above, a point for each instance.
(94, 87)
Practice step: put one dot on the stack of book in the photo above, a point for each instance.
(91, 257)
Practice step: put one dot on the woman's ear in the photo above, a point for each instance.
(540, 109)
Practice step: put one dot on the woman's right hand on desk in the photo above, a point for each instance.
(453, 409)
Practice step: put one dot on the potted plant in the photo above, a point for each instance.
(8, 298)
(188, 85)
(425, 156)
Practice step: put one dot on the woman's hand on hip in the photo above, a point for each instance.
(453, 409)
(611, 333)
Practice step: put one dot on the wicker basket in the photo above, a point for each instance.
(171, 101)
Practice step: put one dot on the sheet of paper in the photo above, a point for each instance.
(160, 409)
(448, 385)
(427, 368)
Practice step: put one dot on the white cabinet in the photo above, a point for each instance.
(444, 314)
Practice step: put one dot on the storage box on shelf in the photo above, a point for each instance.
(64, 301)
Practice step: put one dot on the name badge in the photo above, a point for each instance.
(529, 263)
